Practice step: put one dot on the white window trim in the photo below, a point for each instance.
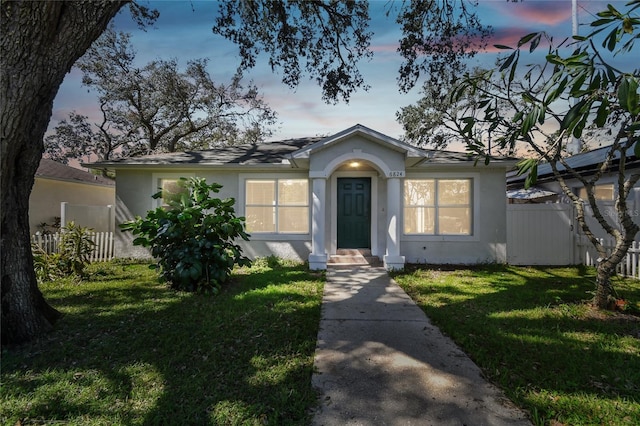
(241, 204)
(475, 201)
(155, 184)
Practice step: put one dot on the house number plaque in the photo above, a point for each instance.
(396, 173)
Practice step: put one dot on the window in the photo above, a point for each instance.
(604, 192)
(437, 206)
(171, 190)
(277, 205)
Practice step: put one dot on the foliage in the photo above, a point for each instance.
(533, 334)
(76, 247)
(131, 351)
(326, 40)
(193, 238)
(156, 107)
(48, 266)
(568, 93)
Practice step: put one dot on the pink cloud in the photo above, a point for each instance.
(540, 12)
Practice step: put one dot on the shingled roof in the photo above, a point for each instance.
(49, 169)
(586, 163)
(254, 154)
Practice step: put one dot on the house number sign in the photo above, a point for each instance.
(396, 173)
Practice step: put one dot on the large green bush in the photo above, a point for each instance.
(193, 237)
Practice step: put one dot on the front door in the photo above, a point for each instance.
(354, 213)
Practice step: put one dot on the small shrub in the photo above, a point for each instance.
(47, 266)
(76, 247)
(193, 238)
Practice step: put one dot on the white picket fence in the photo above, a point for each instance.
(630, 265)
(103, 250)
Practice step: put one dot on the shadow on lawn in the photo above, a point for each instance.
(178, 358)
(567, 349)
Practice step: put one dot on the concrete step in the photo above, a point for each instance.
(354, 257)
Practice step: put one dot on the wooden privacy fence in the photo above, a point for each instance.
(102, 251)
(628, 267)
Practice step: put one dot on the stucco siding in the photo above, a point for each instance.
(47, 194)
(488, 241)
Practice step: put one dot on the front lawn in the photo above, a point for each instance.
(130, 351)
(531, 332)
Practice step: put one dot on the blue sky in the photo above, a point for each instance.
(183, 31)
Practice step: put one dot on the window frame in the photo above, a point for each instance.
(156, 186)
(474, 179)
(273, 177)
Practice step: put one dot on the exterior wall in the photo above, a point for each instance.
(134, 190)
(47, 194)
(488, 242)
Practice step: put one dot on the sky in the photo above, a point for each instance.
(183, 31)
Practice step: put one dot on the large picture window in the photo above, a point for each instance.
(437, 206)
(277, 205)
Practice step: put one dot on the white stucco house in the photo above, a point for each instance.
(309, 198)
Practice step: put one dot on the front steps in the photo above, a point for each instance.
(353, 257)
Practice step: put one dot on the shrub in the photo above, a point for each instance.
(76, 247)
(47, 266)
(74, 251)
(193, 238)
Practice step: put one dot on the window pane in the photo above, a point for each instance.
(293, 192)
(419, 220)
(419, 192)
(601, 192)
(260, 219)
(451, 192)
(171, 190)
(261, 192)
(454, 221)
(293, 219)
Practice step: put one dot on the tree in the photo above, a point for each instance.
(40, 42)
(326, 40)
(157, 107)
(570, 92)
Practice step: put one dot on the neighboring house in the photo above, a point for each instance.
(56, 183)
(587, 163)
(359, 189)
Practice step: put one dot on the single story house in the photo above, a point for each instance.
(309, 198)
(56, 183)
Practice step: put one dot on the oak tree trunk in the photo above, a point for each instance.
(39, 43)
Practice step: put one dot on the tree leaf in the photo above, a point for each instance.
(628, 94)
(602, 114)
(526, 38)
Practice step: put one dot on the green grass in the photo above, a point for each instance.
(130, 351)
(533, 333)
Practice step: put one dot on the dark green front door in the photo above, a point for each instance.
(354, 213)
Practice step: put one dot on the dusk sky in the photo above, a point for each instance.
(183, 31)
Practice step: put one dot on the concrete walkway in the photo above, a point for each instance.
(379, 361)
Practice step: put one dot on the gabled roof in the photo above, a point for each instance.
(49, 169)
(359, 129)
(585, 163)
(283, 153)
